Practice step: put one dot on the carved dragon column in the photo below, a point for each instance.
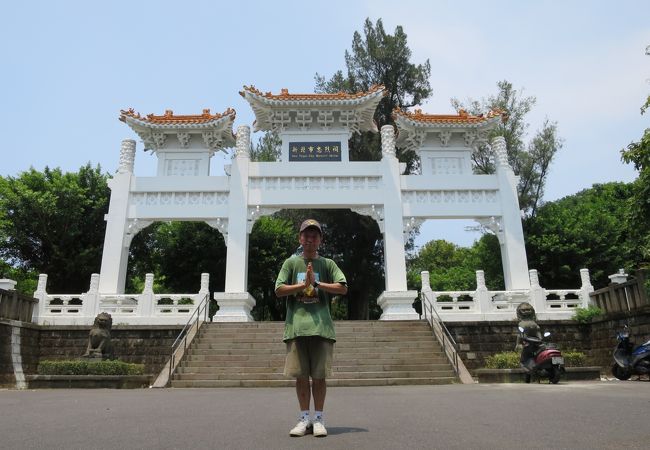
(236, 303)
(115, 255)
(513, 250)
(396, 301)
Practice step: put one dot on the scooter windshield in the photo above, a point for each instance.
(621, 358)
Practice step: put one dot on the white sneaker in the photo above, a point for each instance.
(319, 427)
(302, 427)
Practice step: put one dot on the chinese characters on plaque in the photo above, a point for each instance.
(314, 151)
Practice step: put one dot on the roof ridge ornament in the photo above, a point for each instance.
(285, 95)
(154, 130)
(303, 112)
(169, 116)
(462, 116)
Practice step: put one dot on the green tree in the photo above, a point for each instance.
(271, 242)
(531, 161)
(583, 230)
(488, 255)
(453, 268)
(638, 153)
(355, 241)
(268, 148)
(53, 222)
(450, 266)
(177, 253)
(380, 58)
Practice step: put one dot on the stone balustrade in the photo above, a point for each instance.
(483, 304)
(16, 306)
(145, 308)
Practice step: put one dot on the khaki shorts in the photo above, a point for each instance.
(309, 356)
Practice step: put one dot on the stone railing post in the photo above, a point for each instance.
(147, 299)
(426, 283)
(41, 295)
(7, 284)
(537, 292)
(425, 288)
(205, 289)
(205, 283)
(90, 306)
(586, 288)
(481, 296)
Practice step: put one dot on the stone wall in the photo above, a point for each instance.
(142, 344)
(603, 334)
(148, 345)
(478, 340)
(28, 349)
(6, 367)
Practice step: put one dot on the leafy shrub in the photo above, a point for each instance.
(586, 315)
(573, 358)
(510, 360)
(84, 367)
(503, 360)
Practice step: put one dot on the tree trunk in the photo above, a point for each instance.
(358, 304)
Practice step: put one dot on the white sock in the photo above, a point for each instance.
(304, 414)
(318, 415)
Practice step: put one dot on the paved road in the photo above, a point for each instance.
(570, 415)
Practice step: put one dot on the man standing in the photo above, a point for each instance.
(307, 280)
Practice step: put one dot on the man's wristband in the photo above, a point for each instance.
(315, 284)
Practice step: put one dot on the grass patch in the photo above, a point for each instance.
(83, 367)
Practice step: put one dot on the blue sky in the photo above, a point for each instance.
(70, 66)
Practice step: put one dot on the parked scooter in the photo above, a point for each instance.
(628, 360)
(539, 359)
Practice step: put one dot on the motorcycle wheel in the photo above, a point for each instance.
(554, 375)
(621, 373)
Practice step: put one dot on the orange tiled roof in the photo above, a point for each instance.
(284, 94)
(170, 119)
(462, 116)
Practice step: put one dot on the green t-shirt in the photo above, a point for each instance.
(308, 314)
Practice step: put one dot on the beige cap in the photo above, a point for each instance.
(311, 223)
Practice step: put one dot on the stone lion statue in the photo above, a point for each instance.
(526, 316)
(99, 339)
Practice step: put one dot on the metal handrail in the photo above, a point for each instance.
(192, 321)
(444, 334)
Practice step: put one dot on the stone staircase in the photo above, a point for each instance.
(367, 353)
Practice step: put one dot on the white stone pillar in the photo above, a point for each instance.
(7, 284)
(90, 306)
(396, 302)
(203, 291)
(481, 296)
(513, 249)
(618, 277)
(41, 295)
(586, 288)
(116, 244)
(147, 299)
(425, 281)
(205, 284)
(537, 293)
(236, 303)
